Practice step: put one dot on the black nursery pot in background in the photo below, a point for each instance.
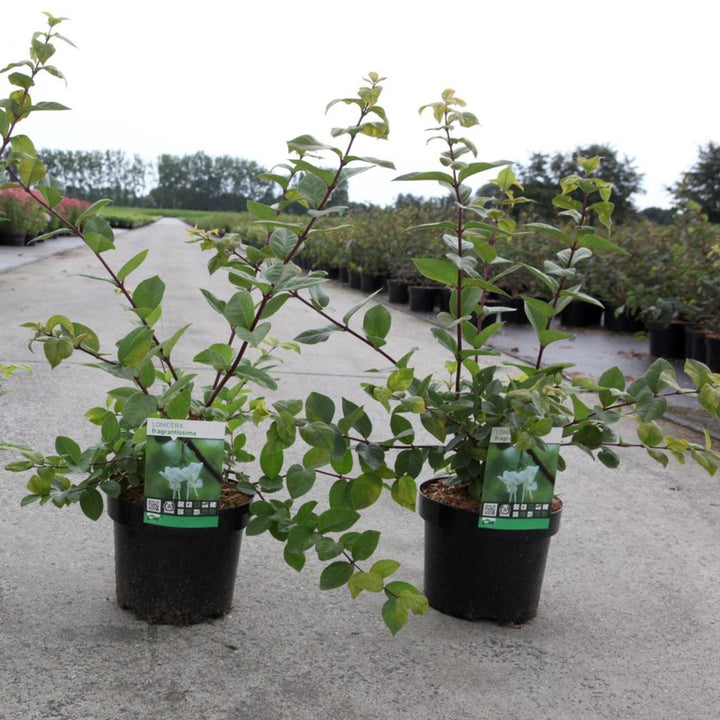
(422, 298)
(667, 341)
(622, 322)
(370, 282)
(712, 351)
(398, 291)
(479, 574)
(581, 314)
(175, 576)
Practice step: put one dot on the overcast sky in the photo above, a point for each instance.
(241, 78)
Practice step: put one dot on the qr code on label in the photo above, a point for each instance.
(153, 505)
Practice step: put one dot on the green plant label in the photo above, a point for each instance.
(519, 484)
(183, 472)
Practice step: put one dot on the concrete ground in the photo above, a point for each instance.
(629, 619)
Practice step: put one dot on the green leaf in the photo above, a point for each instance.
(547, 337)
(261, 211)
(538, 312)
(149, 293)
(370, 581)
(218, 355)
(134, 347)
(319, 408)
(404, 492)
(313, 189)
(337, 520)
(97, 233)
(365, 490)
(612, 378)
(336, 575)
(373, 455)
(214, 302)
(56, 350)
(132, 264)
(394, 614)
(478, 167)
(67, 446)
(271, 460)
(318, 435)
(110, 428)
(438, 270)
(608, 458)
(364, 545)
(650, 408)
(312, 337)
(376, 324)
(295, 559)
(299, 481)
(385, 568)
(91, 503)
(282, 242)
(431, 175)
(138, 408)
(650, 433)
(354, 416)
(400, 379)
(239, 310)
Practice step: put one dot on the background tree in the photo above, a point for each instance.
(541, 176)
(702, 182)
(92, 175)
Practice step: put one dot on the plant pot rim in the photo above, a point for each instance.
(446, 515)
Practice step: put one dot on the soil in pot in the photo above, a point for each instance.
(177, 576)
(477, 573)
(354, 279)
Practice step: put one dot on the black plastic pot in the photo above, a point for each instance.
(16, 240)
(667, 341)
(622, 322)
(354, 279)
(370, 282)
(519, 317)
(397, 291)
(712, 351)
(695, 343)
(422, 298)
(175, 576)
(581, 314)
(479, 574)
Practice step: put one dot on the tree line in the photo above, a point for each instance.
(224, 183)
(186, 182)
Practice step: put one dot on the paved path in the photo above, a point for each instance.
(629, 622)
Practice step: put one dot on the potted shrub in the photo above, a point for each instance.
(447, 421)
(171, 452)
(501, 429)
